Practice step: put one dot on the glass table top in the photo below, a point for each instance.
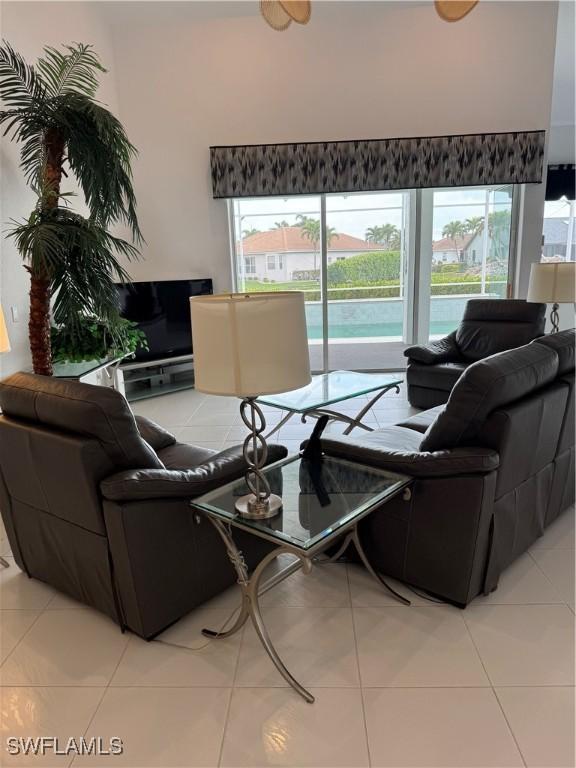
(76, 370)
(330, 388)
(319, 498)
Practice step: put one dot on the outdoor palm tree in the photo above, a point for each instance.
(374, 235)
(249, 232)
(52, 112)
(387, 234)
(454, 230)
(281, 224)
(474, 225)
(311, 230)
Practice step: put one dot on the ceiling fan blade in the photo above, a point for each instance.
(454, 10)
(299, 10)
(275, 15)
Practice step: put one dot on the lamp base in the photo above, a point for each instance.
(254, 509)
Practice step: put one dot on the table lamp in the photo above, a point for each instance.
(553, 283)
(4, 340)
(247, 345)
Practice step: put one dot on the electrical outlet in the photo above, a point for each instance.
(15, 315)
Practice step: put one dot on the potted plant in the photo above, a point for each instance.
(93, 339)
(62, 129)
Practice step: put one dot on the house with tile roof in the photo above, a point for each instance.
(450, 250)
(285, 253)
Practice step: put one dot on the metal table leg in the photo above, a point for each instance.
(352, 537)
(251, 589)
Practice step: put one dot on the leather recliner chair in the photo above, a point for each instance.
(95, 503)
(488, 326)
(491, 470)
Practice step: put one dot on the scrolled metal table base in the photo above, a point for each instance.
(252, 589)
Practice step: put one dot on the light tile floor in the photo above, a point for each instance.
(426, 685)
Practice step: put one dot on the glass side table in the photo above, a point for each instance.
(323, 502)
(329, 389)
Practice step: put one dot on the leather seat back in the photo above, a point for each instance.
(490, 326)
(93, 412)
(539, 416)
(564, 344)
(53, 472)
(486, 386)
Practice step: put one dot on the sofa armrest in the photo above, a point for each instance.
(442, 351)
(136, 484)
(155, 435)
(457, 461)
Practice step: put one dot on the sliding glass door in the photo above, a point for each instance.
(277, 247)
(366, 257)
(379, 271)
(470, 251)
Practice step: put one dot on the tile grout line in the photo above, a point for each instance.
(362, 701)
(104, 692)
(492, 688)
(232, 688)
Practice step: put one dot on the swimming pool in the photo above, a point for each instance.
(380, 318)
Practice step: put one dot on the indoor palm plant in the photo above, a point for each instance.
(52, 112)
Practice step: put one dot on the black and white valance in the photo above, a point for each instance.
(382, 164)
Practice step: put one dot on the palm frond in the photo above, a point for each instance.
(70, 71)
(100, 156)
(20, 85)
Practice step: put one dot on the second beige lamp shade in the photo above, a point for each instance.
(4, 340)
(247, 345)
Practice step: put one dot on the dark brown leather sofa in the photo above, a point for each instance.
(488, 326)
(492, 468)
(96, 503)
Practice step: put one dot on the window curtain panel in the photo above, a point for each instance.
(561, 182)
(377, 165)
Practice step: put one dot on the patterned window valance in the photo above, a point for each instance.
(369, 166)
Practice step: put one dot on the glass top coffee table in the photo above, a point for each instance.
(329, 389)
(323, 501)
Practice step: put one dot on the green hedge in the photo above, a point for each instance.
(364, 268)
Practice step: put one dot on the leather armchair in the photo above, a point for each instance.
(96, 502)
(492, 468)
(489, 326)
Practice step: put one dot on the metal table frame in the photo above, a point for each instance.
(252, 588)
(316, 413)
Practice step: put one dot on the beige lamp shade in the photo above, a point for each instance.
(553, 283)
(4, 340)
(247, 345)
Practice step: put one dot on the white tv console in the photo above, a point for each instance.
(140, 380)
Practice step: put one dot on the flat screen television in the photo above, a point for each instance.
(161, 309)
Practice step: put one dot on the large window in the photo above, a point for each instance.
(471, 231)
(379, 270)
(559, 232)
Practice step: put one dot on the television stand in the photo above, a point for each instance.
(140, 380)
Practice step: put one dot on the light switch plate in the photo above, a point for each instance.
(15, 315)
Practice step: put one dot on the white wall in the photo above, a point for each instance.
(194, 74)
(359, 70)
(28, 27)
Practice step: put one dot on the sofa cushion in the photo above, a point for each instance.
(184, 456)
(153, 433)
(486, 385)
(563, 344)
(490, 326)
(421, 421)
(442, 376)
(397, 450)
(99, 412)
